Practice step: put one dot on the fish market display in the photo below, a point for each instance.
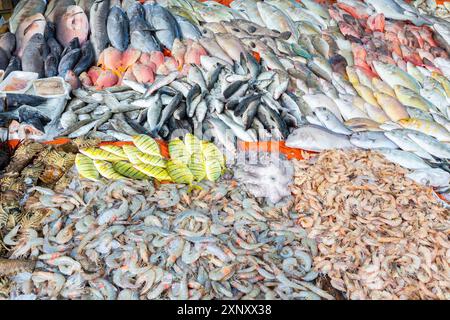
(142, 243)
(379, 234)
(131, 117)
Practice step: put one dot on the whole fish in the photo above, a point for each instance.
(25, 9)
(33, 56)
(329, 120)
(316, 138)
(56, 8)
(187, 29)
(8, 43)
(371, 140)
(403, 158)
(141, 36)
(276, 19)
(430, 144)
(69, 61)
(393, 75)
(118, 28)
(27, 29)
(73, 23)
(98, 19)
(401, 138)
(86, 60)
(427, 127)
(163, 22)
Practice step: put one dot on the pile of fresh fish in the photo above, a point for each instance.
(187, 161)
(126, 240)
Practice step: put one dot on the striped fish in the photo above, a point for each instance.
(126, 169)
(156, 161)
(213, 169)
(132, 154)
(178, 151)
(210, 151)
(152, 171)
(86, 168)
(106, 169)
(147, 145)
(99, 154)
(118, 151)
(197, 166)
(193, 144)
(179, 172)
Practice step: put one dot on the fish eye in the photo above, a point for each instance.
(251, 29)
(236, 30)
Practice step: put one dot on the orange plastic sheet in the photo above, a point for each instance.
(273, 147)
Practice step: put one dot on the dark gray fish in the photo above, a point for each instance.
(54, 47)
(272, 120)
(73, 44)
(118, 28)
(15, 100)
(97, 22)
(34, 53)
(8, 43)
(51, 66)
(141, 36)
(87, 58)
(244, 102)
(32, 116)
(69, 61)
(4, 60)
(168, 111)
(232, 88)
(14, 65)
(180, 113)
(164, 23)
(192, 94)
(250, 113)
(50, 30)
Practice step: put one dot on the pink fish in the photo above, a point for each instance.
(29, 27)
(178, 52)
(143, 73)
(72, 24)
(376, 22)
(106, 79)
(72, 79)
(129, 57)
(94, 73)
(112, 58)
(157, 58)
(86, 80)
(193, 53)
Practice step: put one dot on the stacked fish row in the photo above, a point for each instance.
(190, 160)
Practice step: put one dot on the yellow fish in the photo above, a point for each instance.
(118, 151)
(381, 86)
(126, 169)
(179, 172)
(411, 99)
(428, 127)
(153, 160)
(376, 113)
(352, 75)
(132, 153)
(147, 145)
(443, 81)
(178, 151)
(99, 154)
(366, 93)
(211, 151)
(197, 166)
(193, 144)
(106, 170)
(154, 172)
(86, 168)
(213, 169)
(362, 124)
(393, 108)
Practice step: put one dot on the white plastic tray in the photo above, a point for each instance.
(22, 75)
(65, 85)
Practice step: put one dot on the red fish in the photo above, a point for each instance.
(193, 53)
(157, 58)
(376, 22)
(94, 73)
(411, 56)
(427, 35)
(354, 11)
(106, 79)
(129, 58)
(112, 58)
(347, 29)
(86, 80)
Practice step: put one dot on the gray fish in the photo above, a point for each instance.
(161, 82)
(405, 159)
(118, 28)
(56, 8)
(14, 65)
(400, 137)
(371, 140)
(8, 43)
(141, 36)
(32, 59)
(51, 66)
(32, 116)
(97, 21)
(154, 111)
(25, 9)
(4, 60)
(315, 138)
(164, 23)
(329, 120)
(68, 62)
(187, 29)
(135, 10)
(54, 47)
(87, 58)
(168, 111)
(430, 144)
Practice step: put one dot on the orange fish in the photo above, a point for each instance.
(112, 59)
(157, 58)
(376, 22)
(143, 73)
(106, 79)
(129, 57)
(193, 53)
(86, 80)
(354, 11)
(94, 73)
